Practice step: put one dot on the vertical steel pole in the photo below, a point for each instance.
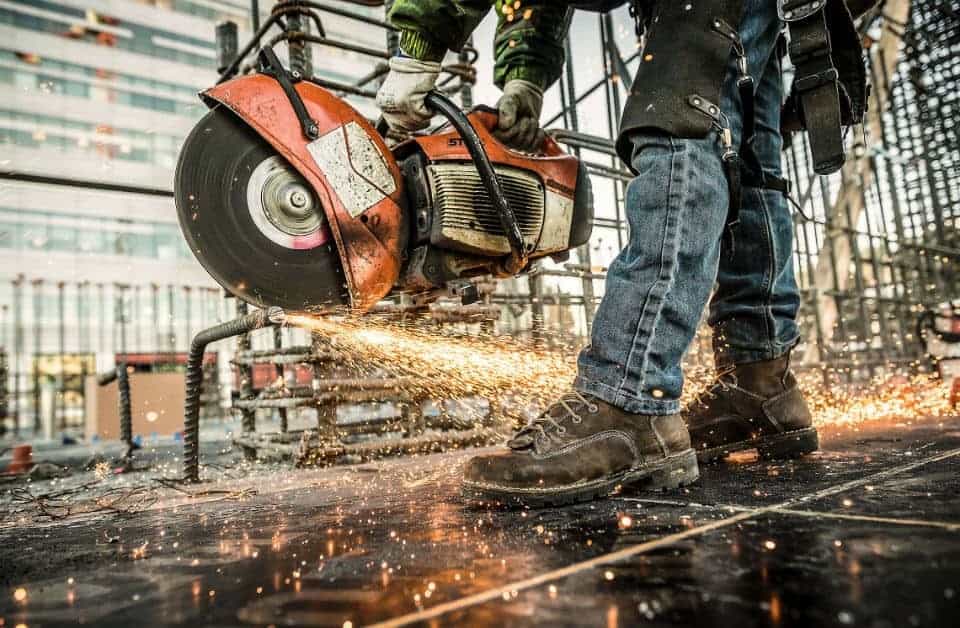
(188, 311)
(17, 349)
(83, 341)
(62, 362)
(255, 15)
(4, 370)
(120, 316)
(37, 343)
(126, 417)
(613, 115)
(137, 327)
(158, 338)
(171, 330)
(101, 318)
(583, 252)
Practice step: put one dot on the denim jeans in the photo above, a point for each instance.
(676, 208)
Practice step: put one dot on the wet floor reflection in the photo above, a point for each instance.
(377, 548)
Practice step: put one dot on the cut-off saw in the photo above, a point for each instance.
(289, 197)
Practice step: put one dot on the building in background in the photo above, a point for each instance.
(98, 96)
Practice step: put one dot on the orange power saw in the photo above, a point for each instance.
(289, 197)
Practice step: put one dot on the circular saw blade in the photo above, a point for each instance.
(252, 221)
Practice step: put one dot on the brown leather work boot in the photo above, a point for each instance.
(755, 405)
(582, 448)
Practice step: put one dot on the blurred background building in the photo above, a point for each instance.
(98, 95)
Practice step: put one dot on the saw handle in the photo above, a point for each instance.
(519, 255)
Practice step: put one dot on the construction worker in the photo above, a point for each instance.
(701, 131)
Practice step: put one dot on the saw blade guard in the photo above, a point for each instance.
(353, 173)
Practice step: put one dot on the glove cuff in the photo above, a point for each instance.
(415, 45)
(409, 65)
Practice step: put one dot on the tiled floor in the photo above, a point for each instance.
(865, 533)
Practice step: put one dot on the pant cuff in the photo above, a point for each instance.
(624, 401)
(741, 355)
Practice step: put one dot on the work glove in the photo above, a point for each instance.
(400, 98)
(519, 122)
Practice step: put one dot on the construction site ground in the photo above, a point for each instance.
(864, 533)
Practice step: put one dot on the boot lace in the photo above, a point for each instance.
(548, 427)
(722, 383)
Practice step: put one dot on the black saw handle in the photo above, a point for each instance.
(519, 254)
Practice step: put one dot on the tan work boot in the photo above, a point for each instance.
(754, 405)
(582, 448)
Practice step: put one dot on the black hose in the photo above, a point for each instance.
(194, 379)
(508, 220)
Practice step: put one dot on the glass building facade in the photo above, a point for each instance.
(99, 94)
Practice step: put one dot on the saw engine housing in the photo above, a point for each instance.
(427, 214)
(455, 230)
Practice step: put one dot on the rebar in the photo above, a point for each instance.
(248, 417)
(193, 378)
(122, 377)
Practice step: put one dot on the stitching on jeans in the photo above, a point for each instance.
(768, 318)
(675, 150)
(680, 175)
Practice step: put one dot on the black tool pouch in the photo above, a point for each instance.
(685, 56)
(830, 87)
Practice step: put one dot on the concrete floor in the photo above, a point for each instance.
(864, 533)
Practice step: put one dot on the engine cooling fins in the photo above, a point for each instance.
(252, 221)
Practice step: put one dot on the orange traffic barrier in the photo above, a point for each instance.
(22, 459)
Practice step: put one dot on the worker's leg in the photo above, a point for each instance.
(658, 285)
(753, 311)
(755, 401)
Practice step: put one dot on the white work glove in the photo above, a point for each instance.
(400, 98)
(519, 122)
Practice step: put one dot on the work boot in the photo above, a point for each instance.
(582, 448)
(754, 405)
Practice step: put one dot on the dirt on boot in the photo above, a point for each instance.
(582, 448)
(755, 405)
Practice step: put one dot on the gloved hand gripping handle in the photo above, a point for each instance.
(519, 255)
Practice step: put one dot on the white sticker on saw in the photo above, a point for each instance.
(354, 167)
(557, 218)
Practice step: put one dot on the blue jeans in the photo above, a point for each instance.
(659, 285)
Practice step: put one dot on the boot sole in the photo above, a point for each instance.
(670, 473)
(791, 444)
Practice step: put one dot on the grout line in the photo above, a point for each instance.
(634, 550)
(813, 514)
(952, 526)
(946, 525)
(880, 475)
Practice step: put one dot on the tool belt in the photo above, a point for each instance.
(830, 86)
